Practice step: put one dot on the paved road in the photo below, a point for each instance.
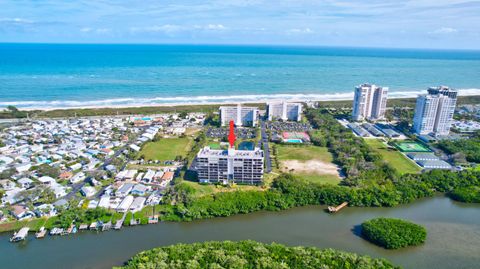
(75, 188)
(266, 149)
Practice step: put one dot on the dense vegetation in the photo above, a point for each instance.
(355, 157)
(393, 233)
(250, 254)
(12, 112)
(288, 191)
(469, 147)
(466, 194)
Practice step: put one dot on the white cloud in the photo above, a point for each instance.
(175, 28)
(444, 30)
(300, 31)
(102, 30)
(16, 21)
(215, 27)
(85, 29)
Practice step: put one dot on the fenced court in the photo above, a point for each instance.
(411, 146)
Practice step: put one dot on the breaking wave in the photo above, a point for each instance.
(170, 101)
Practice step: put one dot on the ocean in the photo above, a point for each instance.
(73, 75)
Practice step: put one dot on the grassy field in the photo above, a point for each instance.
(394, 157)
(309, 154)
(322, 179)
(166, 148)
(303, 153)
(207, 189)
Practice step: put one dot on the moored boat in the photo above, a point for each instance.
(20, 235)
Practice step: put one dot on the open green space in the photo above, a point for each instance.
(199, 190)
(320, 179)
(315, 163)
(166, 149)
(411, 146)
(393, 157)
(304, 153)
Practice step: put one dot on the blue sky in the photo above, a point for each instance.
(451, 24)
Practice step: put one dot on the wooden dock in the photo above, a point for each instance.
(106, 226)
(41, 233)
(334, 209)
(119, 223)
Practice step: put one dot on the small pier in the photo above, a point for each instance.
(93, 226)
(335, 209)
(134, 222)
(41, 233)
(106, 226)
(20, 235)
(56, 231)
(119, 223)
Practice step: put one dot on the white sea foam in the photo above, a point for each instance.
(170, 101)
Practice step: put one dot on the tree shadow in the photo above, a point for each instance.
(357, 230)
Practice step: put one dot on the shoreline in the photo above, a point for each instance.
(122, 103)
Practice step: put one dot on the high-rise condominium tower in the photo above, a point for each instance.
(434, 111)
(369, 102)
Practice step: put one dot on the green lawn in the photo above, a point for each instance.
(307, 153)
(166, 149)
(208, 189)
(303, 153)
(394, 157)
(322, 179)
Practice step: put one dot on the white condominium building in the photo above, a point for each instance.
(434, 111)
(241, 116)
(369, 102)
(239, 166)
(284, 111)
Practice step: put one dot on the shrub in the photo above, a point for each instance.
(393, 233)
(250, 254)
(466, 194)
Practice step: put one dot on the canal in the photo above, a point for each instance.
(453, 236)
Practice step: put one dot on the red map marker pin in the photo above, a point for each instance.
(231, 135)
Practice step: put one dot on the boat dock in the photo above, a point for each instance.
(41, 233)
(119, 223)
(20, 235)
(334, 209)
(106, 226)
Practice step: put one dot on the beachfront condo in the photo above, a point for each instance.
(434, 111)
(369, 102)
(241, 115)
(284, 111)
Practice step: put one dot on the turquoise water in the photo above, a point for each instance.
(246, 145)
(48, 75)
(294, 140)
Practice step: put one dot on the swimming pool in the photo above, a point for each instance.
(293, 140)
(246, 145)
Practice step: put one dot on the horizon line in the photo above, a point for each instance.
(240, 45)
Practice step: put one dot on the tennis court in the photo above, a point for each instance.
(411, 146)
